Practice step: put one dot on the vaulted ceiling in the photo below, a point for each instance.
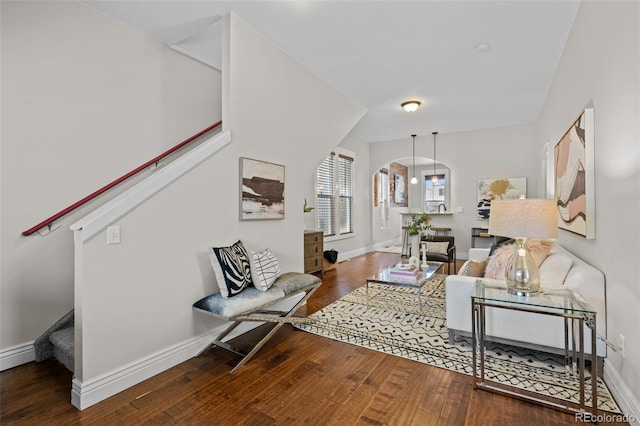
(473, 64)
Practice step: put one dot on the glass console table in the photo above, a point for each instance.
(565, 303)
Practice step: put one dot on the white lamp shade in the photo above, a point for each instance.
(524, 218)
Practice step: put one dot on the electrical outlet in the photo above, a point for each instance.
(621, 341)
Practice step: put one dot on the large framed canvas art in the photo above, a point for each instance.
(261, 190)
(498, 189)
(574, 177)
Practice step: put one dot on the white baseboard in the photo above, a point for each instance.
(88, 393)
(353, 253)
(17, 355)
(384, 244)
(621, 393)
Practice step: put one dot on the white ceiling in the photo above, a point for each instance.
(381, 53)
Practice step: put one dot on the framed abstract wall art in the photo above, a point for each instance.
(498, 189)
(399, 191)
(261, 190)
(574, 177)
(398, 184)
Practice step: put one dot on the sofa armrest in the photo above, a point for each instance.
(478, 253)
(458, 295)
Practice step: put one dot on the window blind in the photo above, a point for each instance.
(345, 179)
(325, 184)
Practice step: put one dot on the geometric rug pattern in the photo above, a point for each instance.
(399, 321)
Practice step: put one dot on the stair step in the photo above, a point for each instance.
(63, 346)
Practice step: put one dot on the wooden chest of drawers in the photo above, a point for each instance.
(313, 252)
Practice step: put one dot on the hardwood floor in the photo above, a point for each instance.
(297, 378)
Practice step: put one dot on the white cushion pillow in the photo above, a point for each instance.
(437, 247)
(265, 269)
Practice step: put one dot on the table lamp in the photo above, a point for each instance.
(522, 219)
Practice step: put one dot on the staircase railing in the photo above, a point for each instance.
(49, 221)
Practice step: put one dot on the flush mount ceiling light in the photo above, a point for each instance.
(482, 47)
(410, 106)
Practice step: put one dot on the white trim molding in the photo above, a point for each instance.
(86, 394)
(621, 393)
(17, 355)
(384, 244)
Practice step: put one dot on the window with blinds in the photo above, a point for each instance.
(325, 206)
(334, 186)
(345, 183)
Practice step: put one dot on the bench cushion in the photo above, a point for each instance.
(252, 298)
(294, 282)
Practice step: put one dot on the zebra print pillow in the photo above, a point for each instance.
(231, 267)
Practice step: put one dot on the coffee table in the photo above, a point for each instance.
(386, 277)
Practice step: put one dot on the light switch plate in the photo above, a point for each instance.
(113, 235)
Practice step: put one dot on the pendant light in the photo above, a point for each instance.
(414, 180)
(434, 178)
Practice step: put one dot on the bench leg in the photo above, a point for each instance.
(257, 347)
(218, 340)
(279, 317)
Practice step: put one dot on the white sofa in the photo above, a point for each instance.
(560, 268)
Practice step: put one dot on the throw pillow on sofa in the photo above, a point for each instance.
(499, 242)
(498, 262)
(497, 265)
(231, 267)
(474, 268)
(539, 250)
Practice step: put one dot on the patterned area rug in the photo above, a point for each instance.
(397, 321)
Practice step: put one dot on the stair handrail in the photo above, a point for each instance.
(118, 181)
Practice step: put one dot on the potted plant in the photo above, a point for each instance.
(420, 224)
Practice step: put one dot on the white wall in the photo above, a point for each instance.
(481, 154)
(161, 267)
(85, 99)
(600, 68)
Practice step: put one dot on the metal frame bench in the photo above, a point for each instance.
(251, 304)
